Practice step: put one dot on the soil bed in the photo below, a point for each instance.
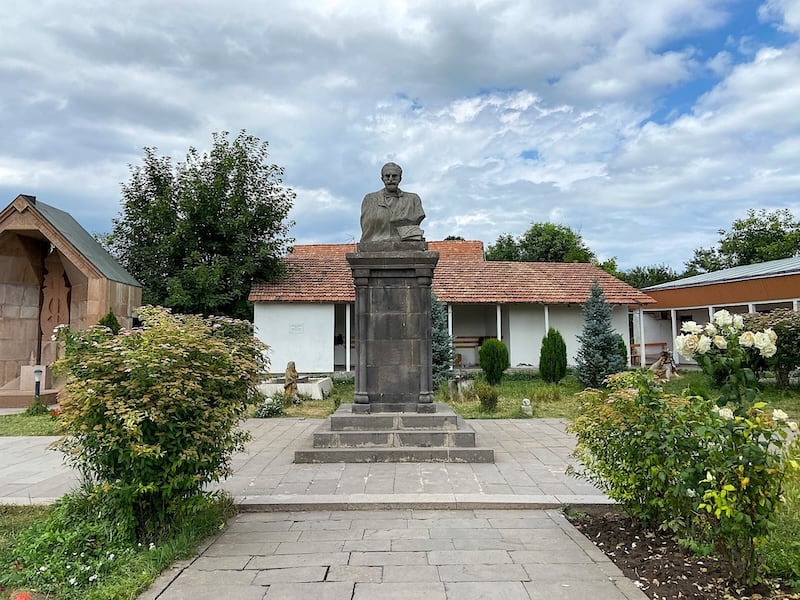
(658, 566)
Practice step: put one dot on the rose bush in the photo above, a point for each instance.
(711, 470)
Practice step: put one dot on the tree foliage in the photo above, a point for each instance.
(441, 343)
(542, 242)
(598, 356)
(198, 233)
(553, 357)
(642, 277)
(761, 236)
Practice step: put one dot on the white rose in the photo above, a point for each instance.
(686, 345)
(747, 339)
(779, 415)
(793, 426)
(726, 413)
(769, 350)
(720, 342)
(722, 318)
(692, 327)
(711, 330)
(738, 321)
(761, 340)
(703, 345)
(773, 337)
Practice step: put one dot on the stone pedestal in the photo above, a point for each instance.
(393, 327)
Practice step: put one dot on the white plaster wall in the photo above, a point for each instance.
(569, 322)
(299, 332)
(526, 330)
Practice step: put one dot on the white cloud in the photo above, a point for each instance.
(501, 113)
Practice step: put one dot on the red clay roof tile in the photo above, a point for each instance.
(320, 273)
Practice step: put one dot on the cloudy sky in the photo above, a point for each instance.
(644, 126)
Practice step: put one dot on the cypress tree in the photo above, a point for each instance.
(553, 357)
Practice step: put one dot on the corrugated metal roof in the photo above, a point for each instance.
(84, 243)
(772, 268)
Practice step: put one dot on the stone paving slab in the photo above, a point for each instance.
(531, 458)
(397, 530)
(316, 571)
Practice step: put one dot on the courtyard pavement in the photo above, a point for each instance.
(396, 530)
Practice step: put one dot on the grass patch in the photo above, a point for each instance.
(49, 538)
(22, 424)
(547, 400)
(781, 551)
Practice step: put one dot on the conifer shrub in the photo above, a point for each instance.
(110, 320)
(442, 352)
(493, 360)
(598, 356)
(553, 357)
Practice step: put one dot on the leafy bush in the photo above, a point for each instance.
(493, 360)
(786, 325)
(598, 356)
(271, 407)
(151, 413)
(553, 357)
(487, 395)
(712, 470)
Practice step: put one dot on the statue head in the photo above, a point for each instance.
(391, 175)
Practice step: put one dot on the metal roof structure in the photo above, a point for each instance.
(772, 268)
(83, 241)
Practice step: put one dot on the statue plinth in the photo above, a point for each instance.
(393, 326)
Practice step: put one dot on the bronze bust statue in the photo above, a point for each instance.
(391, 214)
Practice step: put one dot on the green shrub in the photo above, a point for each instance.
(553, 357)
(493, 360)
(151, 413)
(598, 356)
(786, 325)
(712, 475)
(271, 407)
(622, 348)
(546, 394)
(487, 396)
(110, 320)
(442, 351)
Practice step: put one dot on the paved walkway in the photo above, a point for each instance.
(353, 531)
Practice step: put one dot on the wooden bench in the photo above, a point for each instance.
(652, 350)
(467, 341)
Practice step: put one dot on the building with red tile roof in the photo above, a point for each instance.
(302, 315)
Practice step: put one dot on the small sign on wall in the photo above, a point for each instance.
(296, 328)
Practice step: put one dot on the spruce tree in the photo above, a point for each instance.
(598, 356)
(442, 352)
(553, 357)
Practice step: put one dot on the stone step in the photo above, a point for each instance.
(443, 419)
(404, 454)
(324, 438)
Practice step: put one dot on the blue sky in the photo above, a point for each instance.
(646, 127)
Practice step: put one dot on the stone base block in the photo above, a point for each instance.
(375, 455)
(350, 436)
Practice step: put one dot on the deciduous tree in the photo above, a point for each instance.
(761, 236)
(197, 233)
(542, 242)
